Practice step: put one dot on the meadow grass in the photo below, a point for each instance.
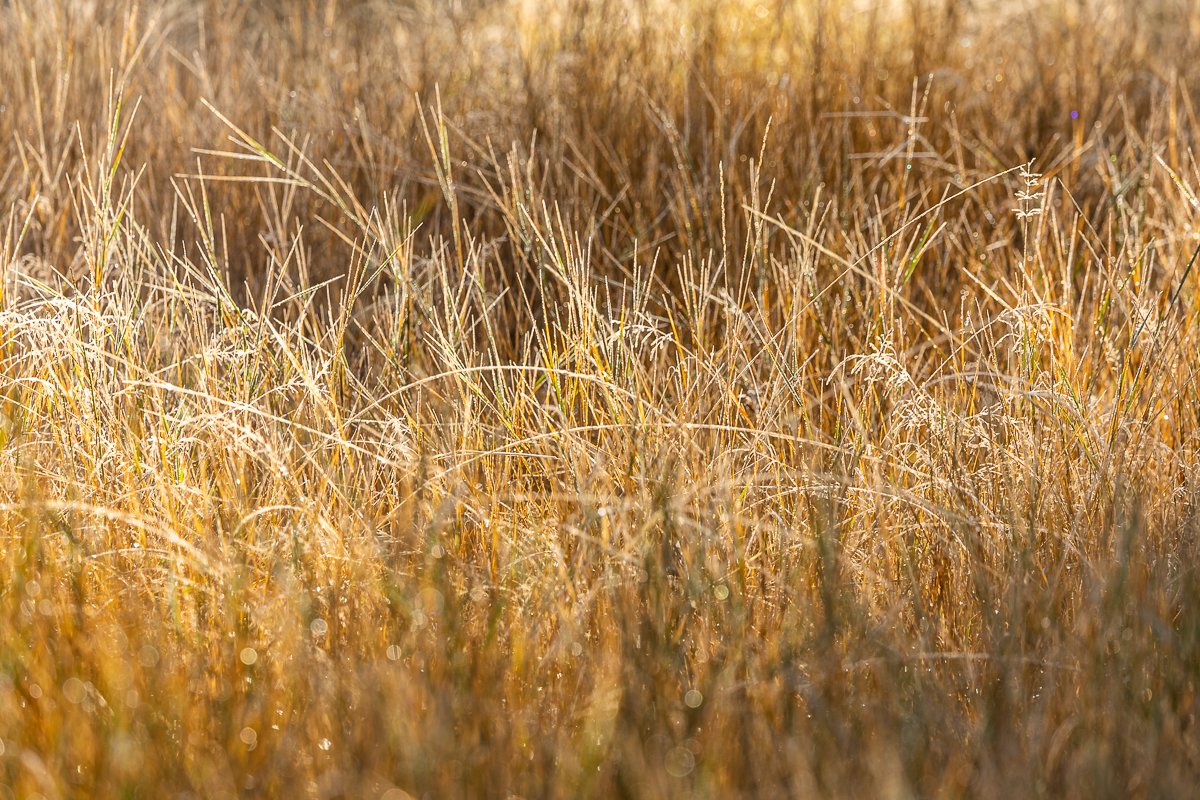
(549, 398)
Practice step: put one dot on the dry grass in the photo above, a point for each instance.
(610, 398)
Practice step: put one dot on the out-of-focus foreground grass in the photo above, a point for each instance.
(550, 399)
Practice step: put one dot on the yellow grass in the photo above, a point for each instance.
(553, 398)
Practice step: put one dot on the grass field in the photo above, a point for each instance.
(620, 398)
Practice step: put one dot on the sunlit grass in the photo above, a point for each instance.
(528, 398)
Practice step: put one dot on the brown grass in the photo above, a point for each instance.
(610, 398)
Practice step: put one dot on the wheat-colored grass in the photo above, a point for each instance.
(599, 398)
